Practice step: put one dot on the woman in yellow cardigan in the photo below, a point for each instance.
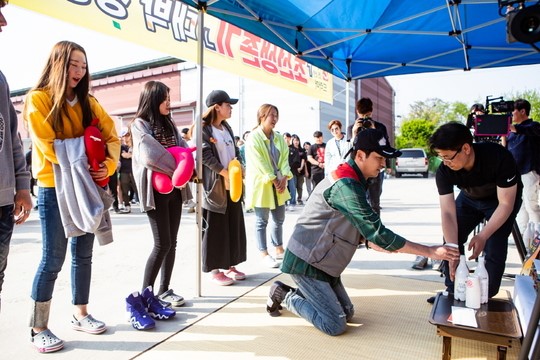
(60, 107)
(267, 173)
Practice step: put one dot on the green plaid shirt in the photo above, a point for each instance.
(348, 196)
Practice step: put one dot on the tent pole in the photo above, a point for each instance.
(347, 104)
(198, 126)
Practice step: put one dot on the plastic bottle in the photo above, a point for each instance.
(472, 297)
(528, 235)
(482, 274)
(460, 281)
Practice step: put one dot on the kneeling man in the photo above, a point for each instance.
(335, 219)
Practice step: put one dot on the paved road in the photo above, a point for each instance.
(410, 208)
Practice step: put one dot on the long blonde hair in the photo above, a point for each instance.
(54, 80)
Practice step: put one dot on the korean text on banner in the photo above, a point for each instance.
(170, 26)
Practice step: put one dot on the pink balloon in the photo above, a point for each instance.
(184, 170)
(184, 165)
(162, 183)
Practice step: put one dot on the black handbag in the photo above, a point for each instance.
(216, 198)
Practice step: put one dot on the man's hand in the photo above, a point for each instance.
(442, 252)
(452, 266)
(477, 244)
(357, 125)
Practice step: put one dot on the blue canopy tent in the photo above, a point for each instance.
(355, 39)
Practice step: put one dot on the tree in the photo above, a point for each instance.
(438, 111)
(415, 133)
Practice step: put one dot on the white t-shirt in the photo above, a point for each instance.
(224, 145)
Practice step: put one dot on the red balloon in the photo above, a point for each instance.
(95, 148)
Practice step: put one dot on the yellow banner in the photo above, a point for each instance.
(170, 27)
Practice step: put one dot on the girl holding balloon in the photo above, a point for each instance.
(153, 134)
(224, 233)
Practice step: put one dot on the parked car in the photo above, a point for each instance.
(412, 161)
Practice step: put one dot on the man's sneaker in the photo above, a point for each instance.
(420, 263)
(154, 307)
(171, 298)
(138, 317)
(221, 279)
(235, 274)
(278, 290)
(126, 209)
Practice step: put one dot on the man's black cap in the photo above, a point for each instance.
(373, 140)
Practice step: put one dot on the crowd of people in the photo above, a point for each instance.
(343, 179)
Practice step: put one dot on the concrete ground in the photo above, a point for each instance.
(410, 208)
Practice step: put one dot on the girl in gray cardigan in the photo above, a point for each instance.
(153, 131)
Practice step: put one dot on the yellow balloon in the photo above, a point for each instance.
(235, 180)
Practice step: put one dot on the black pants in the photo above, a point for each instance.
(164, 222)
(317, 177)
(128, 187)
(113, 186)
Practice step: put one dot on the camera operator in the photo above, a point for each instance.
(364, 110)
(478, 110)
(524, 144)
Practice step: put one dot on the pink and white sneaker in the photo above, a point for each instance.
(221, 279)
(235, 274)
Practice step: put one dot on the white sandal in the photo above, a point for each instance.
(88, 324)
(173, 299)
(45, 341)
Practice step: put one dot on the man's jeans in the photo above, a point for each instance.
(6, 230)
(327, 307)
(54, 253)
(470, 213)
(276, 231)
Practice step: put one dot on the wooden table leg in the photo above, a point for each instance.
(447, 348)
(501, 352)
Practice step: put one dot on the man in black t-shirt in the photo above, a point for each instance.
(316, 158)
(490, 188)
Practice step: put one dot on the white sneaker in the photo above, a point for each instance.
(269, 261)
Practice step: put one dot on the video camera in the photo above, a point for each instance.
(497, 123)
